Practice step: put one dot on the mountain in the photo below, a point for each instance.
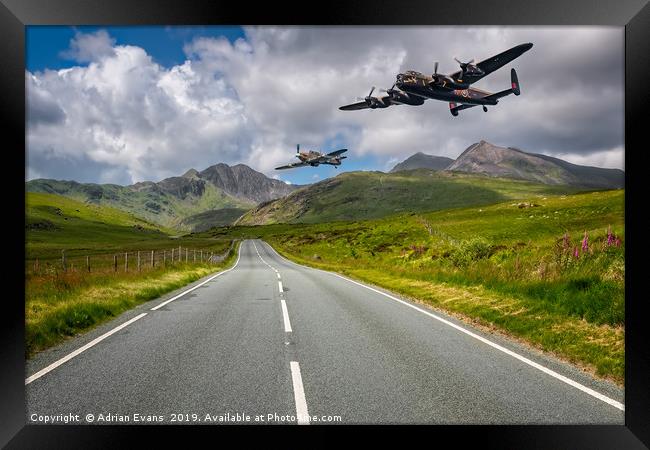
(492, 160)
(367, 195)
(423, 161)
(185, 202)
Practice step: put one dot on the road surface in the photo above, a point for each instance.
(270, 341)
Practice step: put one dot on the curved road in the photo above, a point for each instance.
(270, 341)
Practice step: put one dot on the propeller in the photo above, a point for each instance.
(463, 66)
(389, 91)
(368, 98)
(435, 72)
(297, 148)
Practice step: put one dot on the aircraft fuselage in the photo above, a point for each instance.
(312, 155)
(447, 90)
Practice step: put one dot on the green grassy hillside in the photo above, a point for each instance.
(146, 200)
(214, 218)
(367, 195)
(54, 223)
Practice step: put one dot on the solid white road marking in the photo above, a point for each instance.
(285, 317)
(95, 341)
(523, 359)
(299, 394)
(200, 284)
(68, 357)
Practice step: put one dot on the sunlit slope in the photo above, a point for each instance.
(54, 222)
(368, 195)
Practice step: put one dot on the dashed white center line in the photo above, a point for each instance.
(285, 317)
(302, 414)
(280, 286)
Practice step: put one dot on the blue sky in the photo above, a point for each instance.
(44, 44)
(128, 104)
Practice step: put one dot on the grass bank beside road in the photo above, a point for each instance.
(63, 304)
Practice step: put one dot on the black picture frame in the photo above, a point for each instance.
(633, 14)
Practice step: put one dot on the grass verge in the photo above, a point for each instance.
(64, 304)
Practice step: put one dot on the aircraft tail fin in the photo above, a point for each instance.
(514, 82)
(514, 88)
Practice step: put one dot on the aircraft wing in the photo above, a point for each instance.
(495, 62)
(337, 152)
(355, 106)
(292, 165)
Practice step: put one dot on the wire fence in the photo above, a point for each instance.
(127, 261)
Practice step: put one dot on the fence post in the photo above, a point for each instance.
(88, 263)
(164, 258)
(138, 260)
(172, 255)
(114, 263)
(194, 255)
(187, 254)
(179, 253)
(201, 255)
(152, 261)
(63, 260)
(126, 261)
(36, 265)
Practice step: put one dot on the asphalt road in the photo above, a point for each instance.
(270, 341)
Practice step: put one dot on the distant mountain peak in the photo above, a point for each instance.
(492, 160)
(421, 160)
(192, 173)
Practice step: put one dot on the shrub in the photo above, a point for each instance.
(470, 250)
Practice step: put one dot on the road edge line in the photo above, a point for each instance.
(81, 349)
(200, 284)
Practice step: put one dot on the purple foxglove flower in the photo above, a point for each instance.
(610, 236)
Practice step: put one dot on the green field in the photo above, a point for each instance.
(55, 223)
(369, 195)
(63, 301)
(506, 267)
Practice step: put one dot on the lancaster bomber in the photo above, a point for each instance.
(314, 158)
(414, 87)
